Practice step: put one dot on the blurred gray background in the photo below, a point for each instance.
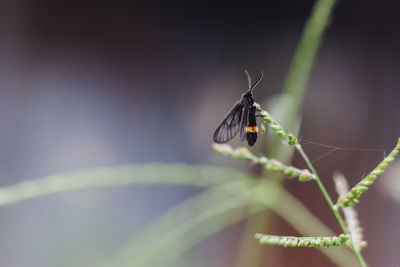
(102, 83)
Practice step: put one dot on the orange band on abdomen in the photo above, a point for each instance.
(251, 129)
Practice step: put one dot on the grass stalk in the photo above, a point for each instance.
(303, 61)
(331, 205)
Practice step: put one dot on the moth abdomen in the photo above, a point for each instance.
(251, 127)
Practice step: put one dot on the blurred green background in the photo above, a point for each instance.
(105, 83)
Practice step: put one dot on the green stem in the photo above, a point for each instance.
(300, 69)
(133, 174)
(306, 223)
(331, 205)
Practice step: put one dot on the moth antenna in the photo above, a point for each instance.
(259, 79)
(248, 78)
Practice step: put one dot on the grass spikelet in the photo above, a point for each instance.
(292, 241)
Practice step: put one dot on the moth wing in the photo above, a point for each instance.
(230, 125)
(244, 121)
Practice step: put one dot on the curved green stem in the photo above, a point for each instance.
(331, 205)
(304, 57)
(132, 174)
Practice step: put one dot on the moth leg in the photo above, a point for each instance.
(258, 114)
(258, 109)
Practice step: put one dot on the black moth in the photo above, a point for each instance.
(242, 117)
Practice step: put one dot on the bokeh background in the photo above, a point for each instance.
(99, 83)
